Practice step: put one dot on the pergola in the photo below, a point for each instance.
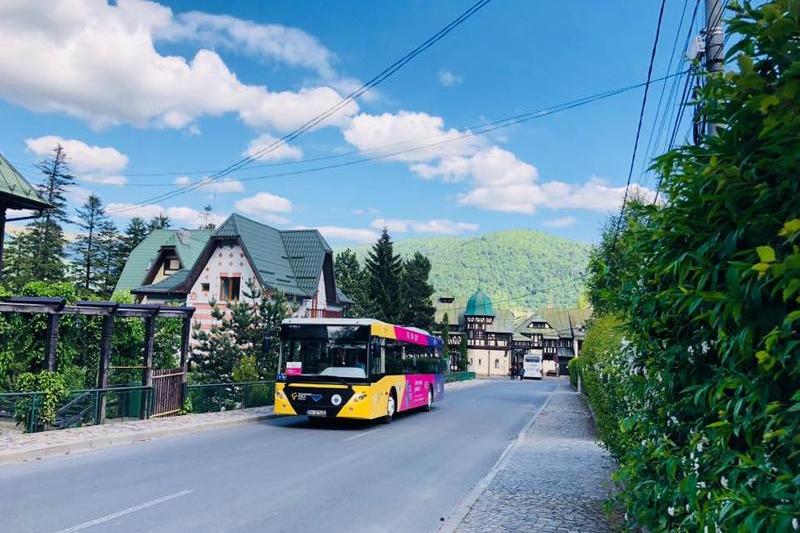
(15, 193)
(55, 308)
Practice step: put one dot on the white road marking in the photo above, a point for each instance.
(358, 436)
(129, 510)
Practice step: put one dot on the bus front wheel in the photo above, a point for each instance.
(391, 408)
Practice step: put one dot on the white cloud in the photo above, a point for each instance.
(448, 79)
(365, 211)
(438, 225)
(265, 206)
(272, 42)
(98, 62)
(92, 164)
(272, 151)
(219, 186)
(179, 215)
(356, 235)
(406, 129)
(561, 222)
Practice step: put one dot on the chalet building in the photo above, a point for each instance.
(489, 332)
(197, 267)
(555, 334)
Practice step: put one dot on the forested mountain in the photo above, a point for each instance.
(520, 269)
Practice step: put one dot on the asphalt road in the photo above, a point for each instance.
(280, 475)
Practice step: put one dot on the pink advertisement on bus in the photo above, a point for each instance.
(416, 393)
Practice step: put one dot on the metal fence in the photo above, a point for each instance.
(86, 407)
(452, 377)
(79, 408)
(215, 397)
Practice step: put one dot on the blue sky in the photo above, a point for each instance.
(147, 97)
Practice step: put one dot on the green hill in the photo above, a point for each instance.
(520, 269)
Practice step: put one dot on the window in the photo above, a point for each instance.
(229, 289)
(205, 287)
(171, 264)
(497, 363)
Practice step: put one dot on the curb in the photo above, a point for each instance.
(461, 511)
(100, 442)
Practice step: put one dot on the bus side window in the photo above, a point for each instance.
(394, 357)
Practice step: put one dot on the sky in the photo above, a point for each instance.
(147, 98)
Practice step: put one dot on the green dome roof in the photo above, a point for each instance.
(479, 304)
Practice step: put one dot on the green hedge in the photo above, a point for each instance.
(700, 401)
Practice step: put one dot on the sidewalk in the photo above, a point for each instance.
(556, 478)
(16, 446)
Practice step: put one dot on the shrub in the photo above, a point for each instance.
(53, 390)
(707, 290)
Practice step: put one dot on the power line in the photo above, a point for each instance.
(663, 90)
(467, 132)
(641, 114)
(375, 81)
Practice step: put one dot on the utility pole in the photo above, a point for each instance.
(715, 39)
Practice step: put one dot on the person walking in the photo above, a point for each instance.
(521, 372)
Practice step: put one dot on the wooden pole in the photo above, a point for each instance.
(186, 332)
(147, 375)
(51, 341)
(105, 363)
(2, 236)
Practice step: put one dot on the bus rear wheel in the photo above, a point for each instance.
(391, 408)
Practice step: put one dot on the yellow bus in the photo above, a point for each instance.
(356, 368)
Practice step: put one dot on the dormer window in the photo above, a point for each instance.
(171, 265)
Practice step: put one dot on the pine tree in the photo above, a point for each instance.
(352, 280)
(445, 334)
(39, 252)
(135, 233)
(463, 352)
(91, 219)
(416, 292)
(112, 260)
(160, 221)
(384, 270)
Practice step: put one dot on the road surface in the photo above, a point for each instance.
(281, 474)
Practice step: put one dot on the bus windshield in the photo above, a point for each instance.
(339, 351)
(532, 359)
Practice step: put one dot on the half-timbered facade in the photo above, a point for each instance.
(555, 334)
(489, 332)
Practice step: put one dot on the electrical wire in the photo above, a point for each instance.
(641, 117)
(375, 81)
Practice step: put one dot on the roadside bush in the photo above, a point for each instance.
(53, 389)
(707, 291)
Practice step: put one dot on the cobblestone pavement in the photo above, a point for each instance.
(555, 480)
(16, 445)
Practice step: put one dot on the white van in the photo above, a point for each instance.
(532, 364)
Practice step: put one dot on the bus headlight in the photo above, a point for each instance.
(279, 394)
(361, 396)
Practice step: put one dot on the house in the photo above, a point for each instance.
(198, 267)
(555, 334)
(489, 332)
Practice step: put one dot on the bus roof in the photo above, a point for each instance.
(377, 329)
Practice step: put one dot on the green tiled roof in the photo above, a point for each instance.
(290, 261)
(564, 322)
(15, 191)
(166, 285)
(479, 304)
(188, 245)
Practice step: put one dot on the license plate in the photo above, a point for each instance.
(316, 412)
